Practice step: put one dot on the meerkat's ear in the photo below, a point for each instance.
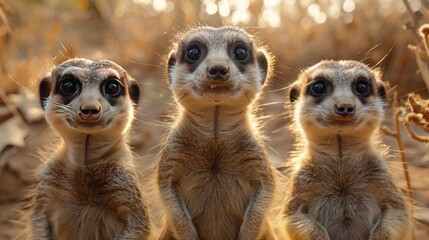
(294, 92)
(45, 90)
(134, 90)
(171, 62)
(261, 58)
(380, 84)
(381, 89)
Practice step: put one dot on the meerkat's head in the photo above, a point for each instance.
(84, 96)
(338, 97)
(210, 66)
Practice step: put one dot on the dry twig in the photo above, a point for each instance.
(419, 116)
(415, 19)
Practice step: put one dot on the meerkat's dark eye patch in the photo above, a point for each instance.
(319, 88)
(193, 53)
(362, 87)
(112, 87)
(241, 54)
(68, 86)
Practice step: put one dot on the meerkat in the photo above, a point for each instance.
(88, 188)
(214, 177)
(340, 185)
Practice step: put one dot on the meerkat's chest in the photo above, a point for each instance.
(82, 186)
(74, 199)
(217, 181)
(216, 160)
(343, 199)
(220, 174)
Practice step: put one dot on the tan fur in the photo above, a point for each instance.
(214, 177)
(88, 188)
(341, 187)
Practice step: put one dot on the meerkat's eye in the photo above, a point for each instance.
(318, 88)
(241, 54)
(112, 87)
(68, 86)
(363, 87)
(193, 54)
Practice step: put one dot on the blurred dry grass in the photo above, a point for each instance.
(36, 34)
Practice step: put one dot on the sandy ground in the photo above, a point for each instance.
(148, 132)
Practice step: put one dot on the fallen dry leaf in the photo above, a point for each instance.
(5, 155)
(13, 132)
(29, 105)
(5, 113)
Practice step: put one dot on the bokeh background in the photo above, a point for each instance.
(35, 35)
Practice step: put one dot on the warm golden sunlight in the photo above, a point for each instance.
(391, 37)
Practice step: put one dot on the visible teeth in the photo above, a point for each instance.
(212, 86)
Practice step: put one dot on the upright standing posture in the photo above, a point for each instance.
(341, 187)
(214, 177)
(88, 189)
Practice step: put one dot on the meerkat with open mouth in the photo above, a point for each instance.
(214, 177)
(341, 187)
(88, 188)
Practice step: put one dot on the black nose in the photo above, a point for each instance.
(218, 72)
(90, 113)
(345, 110)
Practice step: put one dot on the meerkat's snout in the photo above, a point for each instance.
(345, 110)
(218, 72)
(90, 112)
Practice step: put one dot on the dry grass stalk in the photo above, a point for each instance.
(418, 52)
(3, 17)
(420, 34)
(419, 115)
(424, 34)
(415, 19)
